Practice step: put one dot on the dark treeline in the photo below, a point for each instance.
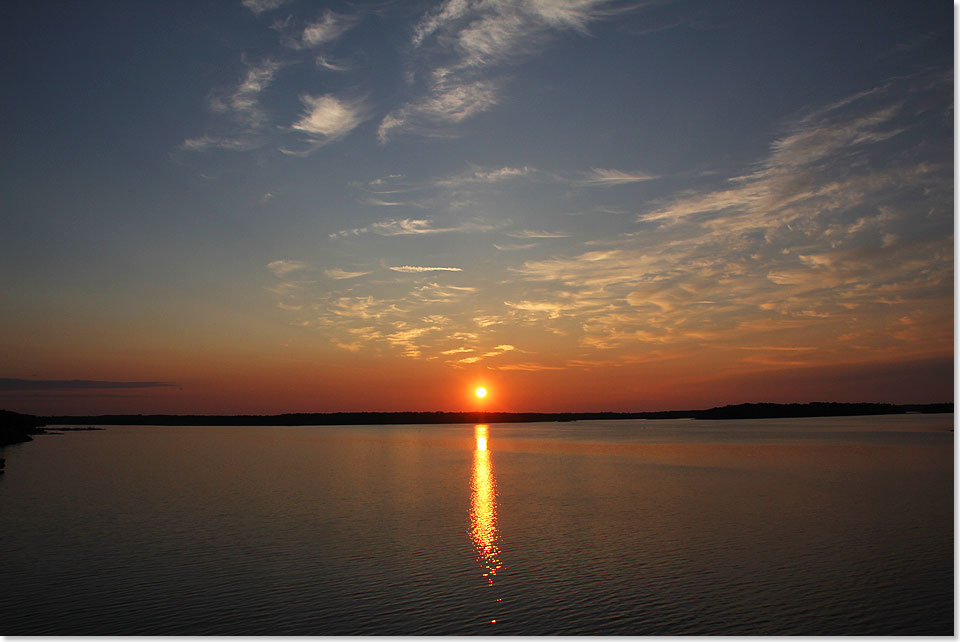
(739, 411)
(16, 428)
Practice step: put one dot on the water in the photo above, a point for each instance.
(793, 526)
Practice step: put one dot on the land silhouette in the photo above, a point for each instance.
(17, 427)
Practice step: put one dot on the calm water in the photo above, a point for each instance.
(794, 526)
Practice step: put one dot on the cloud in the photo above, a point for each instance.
(446, 13)
(830, 231)
(285, 266)
(418, 268)
(401, 227)
(471, 40)
(549, 308)
(598, 177)
(840, 229)
(407, 227)
(338, 274)
(230, 143)
(325, 63)
(510, 247)
(536, 234)
(262, 6)
(328, 118)
(480, 175)
(495, 352)
(242, 105)
(327, 29)
(382, 203)
(528, 367)
(460, 350)
(8, 384)
(446, 103)
(436, 293)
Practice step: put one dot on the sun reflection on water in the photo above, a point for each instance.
(483, 507)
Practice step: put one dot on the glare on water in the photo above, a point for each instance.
(483, 507)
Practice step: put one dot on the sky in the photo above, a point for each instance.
(266, 206)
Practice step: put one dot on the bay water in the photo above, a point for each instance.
(780, 526)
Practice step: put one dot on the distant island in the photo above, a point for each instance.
(17, 427)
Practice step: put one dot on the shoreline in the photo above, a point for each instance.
(738, 411)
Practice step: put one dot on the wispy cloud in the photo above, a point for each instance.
(325, 63)
(536, 234)
(420, 268)
(460, 350)
(338, 274)
(473, 40)
(407, 227)
(241, 104)
(379, 202)
(598, 177)
(240, 143)
(513, 247)
(484, 176)
(9, 384)
(817, 234)
(437, 293)
(528, 367)
(330, 27)
(328, 118)
(446, 103)
(262, 6)
(447, 12)
(286, 266)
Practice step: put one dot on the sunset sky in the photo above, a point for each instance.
(289, 206)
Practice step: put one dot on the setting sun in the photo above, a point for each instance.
(481, 392)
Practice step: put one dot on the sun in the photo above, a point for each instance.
(481, 393)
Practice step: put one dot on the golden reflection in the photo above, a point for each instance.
(483, 507)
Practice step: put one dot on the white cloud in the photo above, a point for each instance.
(459, 102)
(528, 367)
(327, 29)
(419, 268)
(479, 175)
(379, 202)
(329, 118)
(449, 102)
(574, 14)
(598, 177)
(448, 12)
(512, 247)
(242, 105)
(261, 6)
(230, 143)
(536, 234)
(460, 350)
(337, 273)
(325, 63)
(356, 231)
(412, 226)
(436, 293)
(285, 266)
(472, 39)
(550, 308)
